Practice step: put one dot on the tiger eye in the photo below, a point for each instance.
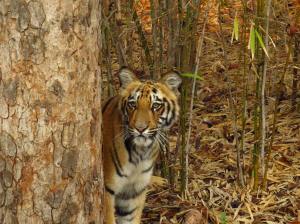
(131, 104)
(156, 106)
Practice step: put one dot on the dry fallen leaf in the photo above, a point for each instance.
(194, 217)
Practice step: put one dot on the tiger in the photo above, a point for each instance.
(135, 124)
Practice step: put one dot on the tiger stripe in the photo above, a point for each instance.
(134, 132)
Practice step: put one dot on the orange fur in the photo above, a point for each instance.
(134, 126)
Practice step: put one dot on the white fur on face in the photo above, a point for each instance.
(142, 141)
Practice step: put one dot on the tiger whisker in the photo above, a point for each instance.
(159, 141)
(122, 134)
(163, 136)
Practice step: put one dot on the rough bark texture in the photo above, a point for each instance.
(50, 119)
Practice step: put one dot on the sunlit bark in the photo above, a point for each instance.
(50, 119)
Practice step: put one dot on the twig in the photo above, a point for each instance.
(278, 93)
(164, 14)
(233, 111)
(112, 30)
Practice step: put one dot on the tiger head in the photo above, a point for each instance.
(149, 107)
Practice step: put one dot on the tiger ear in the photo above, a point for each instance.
(126, 76)
(172, 80)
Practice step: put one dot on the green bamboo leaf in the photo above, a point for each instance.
(252, 41)
(236, 27)
(261, 42)
(192, 75)
(223, 218)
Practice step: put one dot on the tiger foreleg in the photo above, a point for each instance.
(139, 211)
(109, 209)
(130, 211)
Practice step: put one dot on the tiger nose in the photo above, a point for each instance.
(141, 127)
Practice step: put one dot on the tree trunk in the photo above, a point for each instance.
(50, 119)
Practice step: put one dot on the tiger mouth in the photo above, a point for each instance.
(145, 136)
(143, 141)
(141, 136)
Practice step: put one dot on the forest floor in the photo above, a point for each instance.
(214, 195)
(213, 191)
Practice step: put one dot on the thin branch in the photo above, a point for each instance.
(109, 24)
(159, 17)
(278, 93)
(232, 106)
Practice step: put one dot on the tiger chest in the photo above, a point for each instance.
(137, 178)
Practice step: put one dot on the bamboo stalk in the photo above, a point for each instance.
(171, 38)
(113, 30)
(197, 62)
(155, 37)
(195, 18)
(161, 38)
(183, 114)
(263, 85)
(184, 56)
(111, 24)
(255, 152)
(108, 65)
(179, 31)
(240, 154)
(107, 54)
(274, 122)
(233, 110)
(257, 118)
(185, 51)
(142, 36)
(296, 77)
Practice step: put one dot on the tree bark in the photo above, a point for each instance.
(50, 119)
